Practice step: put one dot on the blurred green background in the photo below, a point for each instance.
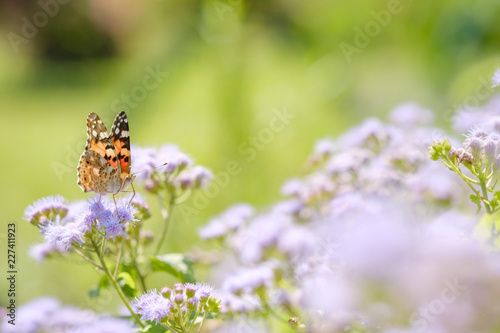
(230, 65)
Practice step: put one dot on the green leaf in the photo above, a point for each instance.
(104, 282)
(175, 264)
(95, 292)
(127, 284)
(475, 199)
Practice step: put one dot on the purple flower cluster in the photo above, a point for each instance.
(66, 225)
(45, 209)
(230, 220)
(48, 315)
(178, 174)
(167, 304)
(376, 237)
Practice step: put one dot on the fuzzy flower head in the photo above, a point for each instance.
(102, 214)
(230, 220)
(410, 114)
(45, 209)
(152, 306)
(196, 177)
(62, 237)
(168, 167)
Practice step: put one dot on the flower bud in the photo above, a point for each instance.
(213, 304)
(179, 299)
(166, 292)
(192, 303)
(190, 290)
(179, 288)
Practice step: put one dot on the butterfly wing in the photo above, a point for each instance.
(97, 169)
(98, 139)
(120, 138)
(95, 173)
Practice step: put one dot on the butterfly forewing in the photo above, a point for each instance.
(120, 138)
(98, 139)
(98, 169)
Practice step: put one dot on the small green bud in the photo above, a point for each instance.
(446, 146)
(190, 290)
(166, 292)
(213, 304)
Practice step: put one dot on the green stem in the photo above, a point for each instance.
(141, 278)
(115, 284)
(194, 318)
(134, 250)
(202, 321)
(170, 327)
(88, 259)
(120, 251)
(485, 196)
(165, 224)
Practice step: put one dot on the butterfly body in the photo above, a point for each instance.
(104, 166)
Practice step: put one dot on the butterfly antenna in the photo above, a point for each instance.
(156, 167)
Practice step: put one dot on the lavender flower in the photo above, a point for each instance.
(247, 280)
(39, 252)
(48, 315)
(204, 291)
(196, 177)
(152, 306)
(62, 236)
(297, 242)
(324, 148)
(103, 215)
(411, 114)
(230, 220)
(45, 209)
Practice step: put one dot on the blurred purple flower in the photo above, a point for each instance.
(411, 114)
(229, 220)
(324, 147)
(45, 209)
(62, 236)
(152, 306)
(39, 252)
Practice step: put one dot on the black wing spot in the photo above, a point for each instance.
(85, 178)
(126, 159)
(114, 159)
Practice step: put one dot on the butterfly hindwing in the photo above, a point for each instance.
(94, 172)
(120, 138)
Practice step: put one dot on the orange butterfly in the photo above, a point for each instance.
(104, 166)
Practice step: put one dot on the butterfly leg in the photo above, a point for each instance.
(116, 206)
(133, 195)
